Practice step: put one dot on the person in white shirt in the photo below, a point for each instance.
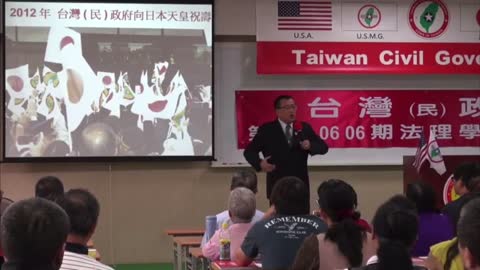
(83, 210)
(246, 178)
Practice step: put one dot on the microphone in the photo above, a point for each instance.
(298, 127)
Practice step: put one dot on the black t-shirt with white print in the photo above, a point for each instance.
(278, 239)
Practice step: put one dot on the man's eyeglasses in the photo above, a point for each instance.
(288, 107)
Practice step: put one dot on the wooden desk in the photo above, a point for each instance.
(196, 260)
(180, 249)
(181, 232)
(184, 232)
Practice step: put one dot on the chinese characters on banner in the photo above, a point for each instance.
(371, 119)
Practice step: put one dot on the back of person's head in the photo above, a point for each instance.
(241, 205)
(474, 184)
(83, 209)
(395, 226)
(469, 174)
(338, 200)
(33, 233)
(290, 197)
(50, 188)
(453, 250)
(469, 234)
(423, 195)
(246, 178)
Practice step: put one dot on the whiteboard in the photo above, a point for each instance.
(235, 69)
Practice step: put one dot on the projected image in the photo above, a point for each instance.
(103, 92)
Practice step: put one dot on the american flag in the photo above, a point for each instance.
(421, 154)
(305, 15)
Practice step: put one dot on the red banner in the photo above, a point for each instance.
(361, 58)
(370, 119)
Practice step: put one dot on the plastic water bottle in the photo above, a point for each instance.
(210, 226)
(224, 243)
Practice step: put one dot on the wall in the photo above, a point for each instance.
(140, 200)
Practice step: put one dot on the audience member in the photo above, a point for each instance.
(83, 210)
(395, 229)
(346, 243)
(50, 188)
(278, 238)
(33, 235)
(469, 235)
(246, 178)
(241, 208)
(433, 226)
(467, 179)
(445, 255)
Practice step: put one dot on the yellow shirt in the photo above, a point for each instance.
(439, 251)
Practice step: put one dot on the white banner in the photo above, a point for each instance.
(432, 21)
(103, 15)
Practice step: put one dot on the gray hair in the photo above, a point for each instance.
(242, 205)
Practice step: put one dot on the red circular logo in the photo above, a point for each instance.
(449, 194)
(369, 16)
(428, 18)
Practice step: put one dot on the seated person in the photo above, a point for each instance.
(278, 238)
(469, 235)
(83, 210)
(346, 243)
(241, 208)
(446, 255)
(246, 178)
(33, 235)
(50, 188)
(395, 229)
(434, 227)
(467, 179)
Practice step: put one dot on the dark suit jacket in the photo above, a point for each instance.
(288, 160)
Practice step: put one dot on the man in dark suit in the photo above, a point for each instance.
(285, 148)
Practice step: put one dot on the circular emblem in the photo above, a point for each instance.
(369, 16)
(434, 153)
(449, 194)
(428, 18)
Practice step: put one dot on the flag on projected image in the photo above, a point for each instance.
(56, 81)
(83, 87)
(60, 38)
(169, 105)
(128, 96)
(143, 97)
(110, 96)
(19, 89)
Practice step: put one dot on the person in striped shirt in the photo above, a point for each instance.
(83, 210)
